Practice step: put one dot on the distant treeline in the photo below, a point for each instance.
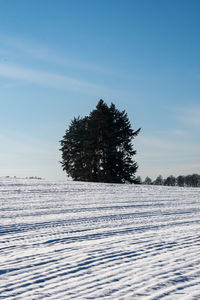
(183, 181)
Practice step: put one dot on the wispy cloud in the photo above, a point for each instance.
(188, 115)
(191, 116)
(31, 62)
(46, 53)
(174, 133)
(49, 79)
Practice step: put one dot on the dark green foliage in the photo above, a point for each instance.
(99, 147)
(73, 145)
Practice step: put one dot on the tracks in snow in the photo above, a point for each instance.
(94, 241)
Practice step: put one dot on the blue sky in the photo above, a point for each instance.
(58, 58)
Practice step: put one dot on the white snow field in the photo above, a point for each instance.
(72, 240)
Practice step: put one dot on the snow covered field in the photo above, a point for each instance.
(67, 240)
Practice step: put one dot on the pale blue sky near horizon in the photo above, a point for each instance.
(58, 58)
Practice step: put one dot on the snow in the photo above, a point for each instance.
(73, 240)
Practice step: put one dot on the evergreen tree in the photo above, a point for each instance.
(73, 145)
(181, 180)
(99, 147)
(170, 181)
(138, 180)
(159, 180)
(148, 180)
(188, 180)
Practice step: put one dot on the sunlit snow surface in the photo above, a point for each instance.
(66, 240)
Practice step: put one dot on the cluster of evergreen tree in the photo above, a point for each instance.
(99, 147)
(183, 181)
